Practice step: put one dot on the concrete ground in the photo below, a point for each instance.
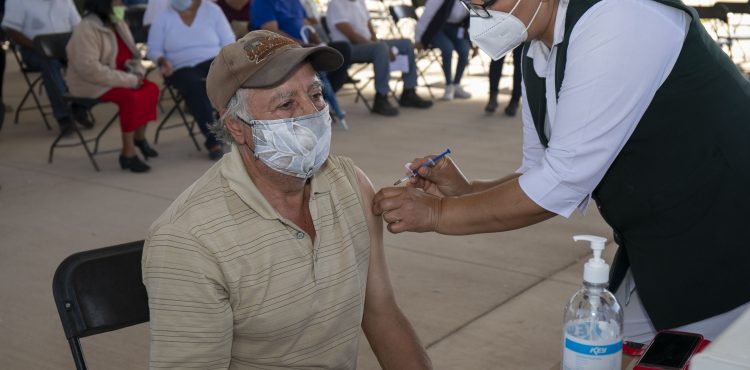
(491, 301)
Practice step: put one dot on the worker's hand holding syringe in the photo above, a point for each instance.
(416, 207)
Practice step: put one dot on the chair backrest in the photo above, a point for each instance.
(717, 11)
(52, 45)
(98, 291)
(418, 3)
(737, 8)
(399, 12)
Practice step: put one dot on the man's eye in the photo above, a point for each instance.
(286, 105)
(317, 96)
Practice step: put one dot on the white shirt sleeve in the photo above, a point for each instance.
(618, 57)
(533, 150)
(73, 17)
(334, 15)
(430, 9)
(15, 15)
(156, 36)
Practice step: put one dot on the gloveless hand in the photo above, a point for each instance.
(408, 209)
(442, 179)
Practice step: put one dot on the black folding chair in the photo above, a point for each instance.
(188, 124)
(52, 47)
(403, 12)
(98, 291)
(32, 82)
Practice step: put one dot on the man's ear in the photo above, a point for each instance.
(236, 128)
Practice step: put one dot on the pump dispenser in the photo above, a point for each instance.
(592, 331)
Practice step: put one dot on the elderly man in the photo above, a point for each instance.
(273, 258)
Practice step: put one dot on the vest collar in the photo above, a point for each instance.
(538, 51)
(233, 169)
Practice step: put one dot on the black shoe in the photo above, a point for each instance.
(216, 153)
(66, 126)
(133, 164)
(146, 149)
(512, 107)
(383, 107)
(492, 103)
(81, 115)
(409, 98)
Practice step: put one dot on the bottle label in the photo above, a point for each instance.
(581, 354)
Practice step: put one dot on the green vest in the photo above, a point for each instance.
(678, 194)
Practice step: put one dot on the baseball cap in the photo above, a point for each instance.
(262, 59)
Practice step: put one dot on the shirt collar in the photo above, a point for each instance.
(537, 49)
(233, 169)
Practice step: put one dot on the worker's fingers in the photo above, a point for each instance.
(384, 199)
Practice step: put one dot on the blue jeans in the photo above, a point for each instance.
(447, 41)
(377, 54)
(52, 79)
(191, 83)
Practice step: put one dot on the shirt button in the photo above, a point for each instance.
(300, 235)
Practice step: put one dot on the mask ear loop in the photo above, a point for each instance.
(250, 125)
(534, 17)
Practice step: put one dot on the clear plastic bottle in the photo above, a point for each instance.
(592, 333)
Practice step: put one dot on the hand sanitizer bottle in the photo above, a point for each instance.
(592, 333)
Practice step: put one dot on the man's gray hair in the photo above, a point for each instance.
(236, 108)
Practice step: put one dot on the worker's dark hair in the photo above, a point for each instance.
(100, 8)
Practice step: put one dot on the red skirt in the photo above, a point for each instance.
(137, 107)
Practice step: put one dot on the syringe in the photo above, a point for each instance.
(429, 163)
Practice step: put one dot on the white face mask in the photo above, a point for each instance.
(180, 5)
(500, 33)
(293, 146)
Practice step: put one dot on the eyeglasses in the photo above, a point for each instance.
(478, 10)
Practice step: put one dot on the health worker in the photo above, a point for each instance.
(632, 104)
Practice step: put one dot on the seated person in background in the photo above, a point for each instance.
(238, 15)
(349, 21)
(183, 41)
(444, 24)
(287, 17)
(26, 19)
(273, 258)
(104, 63)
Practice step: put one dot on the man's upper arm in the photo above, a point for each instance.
(379, 295)
(191, 318)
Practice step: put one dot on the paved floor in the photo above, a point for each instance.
(491, 301)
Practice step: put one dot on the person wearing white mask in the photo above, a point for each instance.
(631, 103)
(273, 258)
(183, 42)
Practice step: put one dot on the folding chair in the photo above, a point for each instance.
(98, 291)
(32, 83)
(177, 99)
(402, 12)
(52, 47)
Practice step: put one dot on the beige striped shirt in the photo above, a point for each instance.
(232, 284)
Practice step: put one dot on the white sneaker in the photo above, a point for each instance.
(449, 91)
(460, 93)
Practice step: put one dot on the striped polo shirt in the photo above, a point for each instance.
(233, 284)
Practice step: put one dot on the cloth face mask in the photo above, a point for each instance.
(293, 146)
(500, 33)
